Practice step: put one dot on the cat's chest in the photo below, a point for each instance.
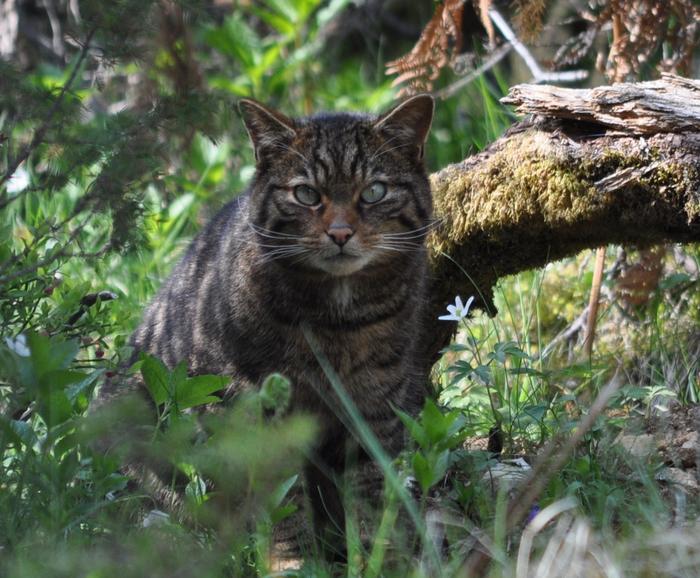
(362, 331)
(358, 356)
(342, 295)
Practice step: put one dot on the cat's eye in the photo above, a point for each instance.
(374, 193)
(306, 195)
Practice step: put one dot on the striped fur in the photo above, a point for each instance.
(267, 263)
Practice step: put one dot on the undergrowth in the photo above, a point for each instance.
(95, 216)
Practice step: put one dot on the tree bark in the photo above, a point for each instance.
(614, 164)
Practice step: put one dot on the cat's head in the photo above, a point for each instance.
(340, 192)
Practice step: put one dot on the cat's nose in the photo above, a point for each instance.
(340, 233)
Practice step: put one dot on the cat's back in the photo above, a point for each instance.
(182, 312)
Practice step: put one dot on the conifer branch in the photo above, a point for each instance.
(40, 133)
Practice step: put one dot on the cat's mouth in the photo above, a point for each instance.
(341, 263)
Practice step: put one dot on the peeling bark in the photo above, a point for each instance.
(617, 164)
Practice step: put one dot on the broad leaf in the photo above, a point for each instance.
(198, 390)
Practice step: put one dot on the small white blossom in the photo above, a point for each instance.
(458, 311)
(18, 345)
(18, 181)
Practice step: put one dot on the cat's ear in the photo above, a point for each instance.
(265, 126)
(409, 121)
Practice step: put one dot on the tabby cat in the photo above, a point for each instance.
(329, 236)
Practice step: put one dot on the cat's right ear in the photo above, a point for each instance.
(408, 123)
(266, 127)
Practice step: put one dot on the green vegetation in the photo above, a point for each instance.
(109, 164)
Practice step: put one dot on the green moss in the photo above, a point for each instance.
(524, 183)
(677, 183)
(531, 182)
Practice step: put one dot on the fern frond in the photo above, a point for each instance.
(436, 48)
(483, 9)
(529, 18)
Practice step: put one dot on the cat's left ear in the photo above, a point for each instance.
(266, 127)
(409, 121)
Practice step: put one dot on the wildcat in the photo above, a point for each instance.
(329, 236)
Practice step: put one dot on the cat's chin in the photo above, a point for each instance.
(341, 265)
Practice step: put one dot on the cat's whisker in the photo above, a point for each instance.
(290, 244)
(276, 255)
(306, 256)
(386, 248)
(283, 243)
(397, 247)
(263, 232)
(282, 246)
(279, 257)
(404, 246)
(418, 239)
(418, 236)
(426, 228)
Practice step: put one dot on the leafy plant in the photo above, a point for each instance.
(436, 434)
(50, 481)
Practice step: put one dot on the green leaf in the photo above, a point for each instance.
(280, 493)
(507, 349)
(440, 466)
(177, 377)
(434, 422)
(461, 365)
(279, 514)
(84, 386)
(456, 347)
(431, 469)
(55, 409)
(635, 392)
(421, 469)
(51, 354)
(237, 40)
(19, 432)
(457, 421)
(61, 379)
(66, 444)
(282, 25)
(674, 280)
(197, 390)
(536, 412)
(286, 9)
(156, 378)
(414, 428)
(483, 372)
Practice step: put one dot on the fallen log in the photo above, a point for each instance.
(589, 167)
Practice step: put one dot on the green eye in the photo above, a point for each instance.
(306, 195)
(374, 193)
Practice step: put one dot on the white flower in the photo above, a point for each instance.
(18, 181)
(458, 311)
(18, 345)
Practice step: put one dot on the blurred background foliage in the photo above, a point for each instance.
(120, 138)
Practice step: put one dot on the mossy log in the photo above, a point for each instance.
(616, 164)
